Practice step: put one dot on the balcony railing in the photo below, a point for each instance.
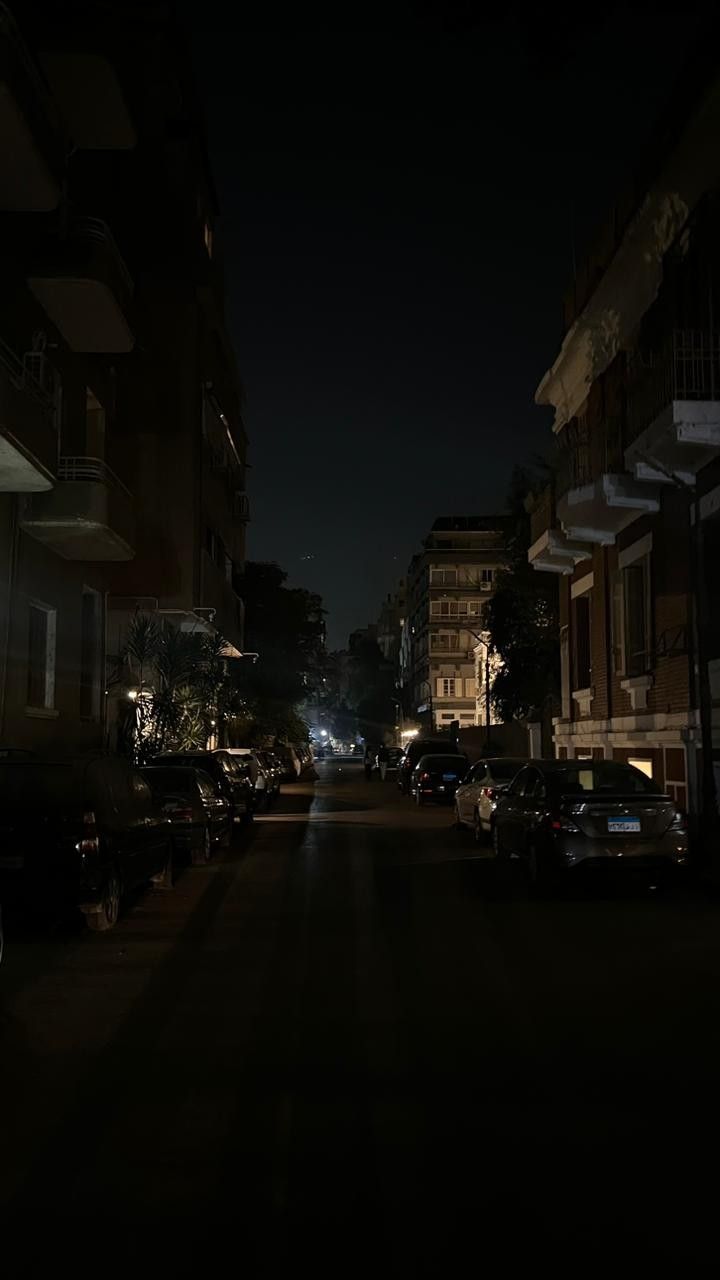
(93, 469)
(82, 282)
(575, 467)
(27, 428)
(686, 367)
(89, 515)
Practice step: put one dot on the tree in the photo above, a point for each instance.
(285, 626)
(180, 690)
(522, 618)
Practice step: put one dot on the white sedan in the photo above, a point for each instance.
(476, 797)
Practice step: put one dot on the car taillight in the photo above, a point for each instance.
(488, 792)
(89, 842)
(679, 823)
(559, 822)
(181, 815)
(424, 777)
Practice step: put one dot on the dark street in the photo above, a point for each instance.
(351, 1041)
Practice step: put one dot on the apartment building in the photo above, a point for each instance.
(390, 622)
(449, 583)
(122, 444)
(632, 522)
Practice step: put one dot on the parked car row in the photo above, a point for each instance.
(83, 832)
(553, 815)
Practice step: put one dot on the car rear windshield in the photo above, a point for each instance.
(35, 787)
(443, 762)
(170, 779)
(505, 769)
(605, 777)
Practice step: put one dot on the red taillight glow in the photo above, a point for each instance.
(488, 792)
(89, 842)
(181, 815)
(424, 777)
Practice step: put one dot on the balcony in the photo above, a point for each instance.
(551, 551)
(28, 439)
(674, 408)
(31, 141)
(86, 290)
(597, 499)
(92, 100)
(88, 516)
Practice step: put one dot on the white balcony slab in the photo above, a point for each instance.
(682, 440)
(598, 512)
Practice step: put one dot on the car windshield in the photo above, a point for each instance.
(455, 763)
(606, 777)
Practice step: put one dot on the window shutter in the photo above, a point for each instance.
(470, 688)
(439, 684)
(618, 624)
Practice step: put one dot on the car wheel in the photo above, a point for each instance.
(107, 917)
(165, 879)
(202, 852)
(478, 828)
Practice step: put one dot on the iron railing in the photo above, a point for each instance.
(94, 229)
(22, 378)
(93, 470)
(575, 467)
(685, 367)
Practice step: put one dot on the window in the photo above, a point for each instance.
(631, 619)
(41, 657)
(581, 651)
(636, 593)
(443, 577)
(446, 687)
(645, 766)
(94, 426)
(487, 577)
(90, 655)
(470, 687)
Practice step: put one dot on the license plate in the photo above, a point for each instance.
(620, 825)
(449, 777)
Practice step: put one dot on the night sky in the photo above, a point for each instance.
(399, 206)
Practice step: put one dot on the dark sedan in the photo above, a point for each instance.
(79, 833)
(199, 813)
(437, 777)
(563, 814)
(232, 778)
(414, 751)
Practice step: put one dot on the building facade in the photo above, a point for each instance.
(449, 584)
(122, 445)
(632, 522)
(390, 622)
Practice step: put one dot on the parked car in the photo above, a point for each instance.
(436, 777)
(290, 763)
(258, 773)
(80, 832)
(274, 770)
(198, 811)
(417, 748)
(395, 755)
(477, 796)
(562, 814)
(233, 779)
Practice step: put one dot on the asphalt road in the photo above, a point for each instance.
(353, 1045)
